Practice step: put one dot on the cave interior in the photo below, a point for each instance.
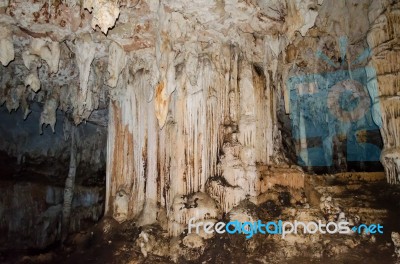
(126, 125)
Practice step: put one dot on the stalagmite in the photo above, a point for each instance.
(201, 111)
(121, 206)
(69, 186)
(227, 196)
(198, 207)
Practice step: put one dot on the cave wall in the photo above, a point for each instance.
(28, 142)
(323, 70)
(383, 39)
(197, 94)
(212, 111)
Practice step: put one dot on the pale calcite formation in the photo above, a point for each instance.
(31, 62)
(194, 118)
(396, 242)
(191, 247)
(116, 62)
(161, 102)
(238, 179)
(242, 214)
(15, 96)
(48, 51)
(128, 135)
(84, 49)
(32, 80)
(6, 45)
(198, 207)
(301, 16)
(121, 206)
(383, 36)
(94, 94)
(165, 58)
(192, 90)
(49, 114)
(105, 13)
(40, 49)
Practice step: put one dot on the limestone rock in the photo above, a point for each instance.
(116, 62)
(198, 207)
(121, 206)
(105, 13)
(84, 53)
(48, 51)
(6, 45)
(396, 242)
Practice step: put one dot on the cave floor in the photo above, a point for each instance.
(365, 197)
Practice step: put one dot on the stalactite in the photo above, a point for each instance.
(192, 162)
(84, 50)
(49, 114)
(233, 84)
(301, 17)
(161, 103)
(16, 94)
(195, 115)
(205, 103)
(31, 62)
(105, 13)
(96, 93)
(194, 90)
(48, 51)
(116, 62)
(24, 102)
(165, 58)
(32, 80)
(6, 45)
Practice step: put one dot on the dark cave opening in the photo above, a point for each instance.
(34, 168)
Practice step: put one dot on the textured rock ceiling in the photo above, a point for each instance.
(207, 74)
(51, 43)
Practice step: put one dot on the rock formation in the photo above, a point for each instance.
(205, 103)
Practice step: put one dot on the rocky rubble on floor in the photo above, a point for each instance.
(336, 203)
